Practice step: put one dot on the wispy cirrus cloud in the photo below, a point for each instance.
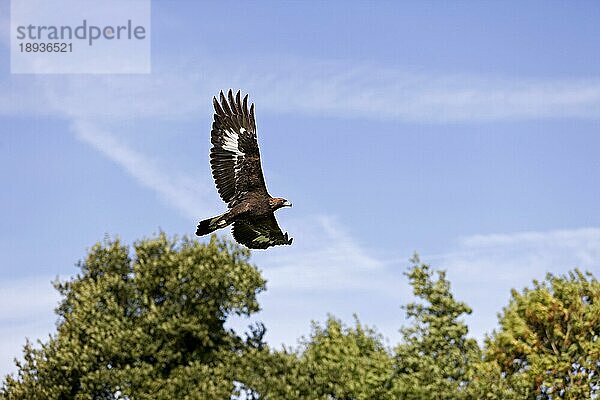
(26, 311)
(325, 257)
(374, 92)
(524, 254)
(181, 191)
(484, 268)
(311, 88)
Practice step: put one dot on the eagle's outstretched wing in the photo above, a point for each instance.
(234, 157)
(260, 233)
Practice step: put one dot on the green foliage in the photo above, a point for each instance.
(548, 343)
(434, 360)
(345, 363)
(335, 362)
(149, 326)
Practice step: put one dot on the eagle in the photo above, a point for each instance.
(236, 169)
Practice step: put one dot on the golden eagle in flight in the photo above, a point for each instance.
(235, 164)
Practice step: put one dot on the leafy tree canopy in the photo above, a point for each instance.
(548, 345)
(146, 325)
(149, 323)
(435, 358)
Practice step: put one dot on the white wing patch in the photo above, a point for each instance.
(231, 144)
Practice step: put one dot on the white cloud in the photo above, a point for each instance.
(168, 96)
(323, 257)
(306, 87)
(526, 254)
(484, 268)
(26, 311)
(182, 192)
(375, 92)
(26, 297)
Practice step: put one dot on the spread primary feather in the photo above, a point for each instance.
(237, 171)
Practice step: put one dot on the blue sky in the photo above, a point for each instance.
(465, 131)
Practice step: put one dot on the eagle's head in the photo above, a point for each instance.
(278, 202)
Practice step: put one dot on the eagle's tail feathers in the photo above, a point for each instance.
(211, 224)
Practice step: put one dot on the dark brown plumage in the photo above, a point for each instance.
(235, 164)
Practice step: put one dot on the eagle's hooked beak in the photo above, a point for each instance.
(287, 204)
